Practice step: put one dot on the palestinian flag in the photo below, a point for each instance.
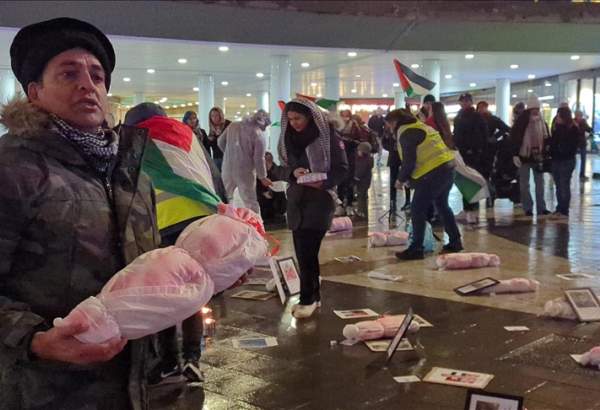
(176, 162)
(321, 102)
(471, 184)
(411, 82)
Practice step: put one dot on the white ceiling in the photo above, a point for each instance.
(240, 64)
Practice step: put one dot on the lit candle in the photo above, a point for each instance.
(210, 327)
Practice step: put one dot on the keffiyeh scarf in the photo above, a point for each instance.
(99, 148)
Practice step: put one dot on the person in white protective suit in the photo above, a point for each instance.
(243, 145)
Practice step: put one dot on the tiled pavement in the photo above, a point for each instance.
(305, 372)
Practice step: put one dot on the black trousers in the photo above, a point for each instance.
(307, 243)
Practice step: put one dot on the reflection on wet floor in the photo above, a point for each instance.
(306, 372)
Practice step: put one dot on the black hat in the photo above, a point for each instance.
(142, 112)
(465, 97)
(38, 43)
(429, 99)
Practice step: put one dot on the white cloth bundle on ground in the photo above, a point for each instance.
(227, 245)
(383, 327)
(388, 238)
(591, 357)
(559, 308)
(467, 260)
(157, 290)
(514, 285)
(340, 224)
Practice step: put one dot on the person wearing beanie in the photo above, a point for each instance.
(529, 138)
(363, 172)
(75, 208)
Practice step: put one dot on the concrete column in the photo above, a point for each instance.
(332, 83)
(431, 71)
(206, 98)
(503, 99)
(138, 98)
(279, 89)
(7, 90)
(262, 101)
(399, 99)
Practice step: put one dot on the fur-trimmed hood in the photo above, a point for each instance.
(22, 118)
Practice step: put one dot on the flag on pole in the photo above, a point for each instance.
(411, 82)
(321, 102)
(471, 184)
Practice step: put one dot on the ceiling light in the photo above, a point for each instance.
(156, 102)
(167, 106)
(305, 65)
(109, 95)
(396, 84)
(319, 95)
(357, 76)
(530, 90)
(223, 49)
(472, 84)
(238, 113)
(469, 56)
(224, 98)
(384, 95)
(548, 84)
(242, 106)
(189, 104)
(575, 57)
(352, 54)
(128, 106)
(225, 83)
(313, 84)
(182, 105)
(531, 76)
(260, 75)
(162, 100)
(247, 112)
(126, 79)
(196, 89)
(182, 60)
(248, 95)
(415, 66)
(353, 91)
(546, 98)
(448, 76)
(514, 96)
(514, 66)
(196, 103)
(151, 71)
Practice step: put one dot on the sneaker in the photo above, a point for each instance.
(304, 311)
(165, 374)
(192, 373)
(451, 248)
(528, 213)
(545, 212)
(583, 178)
(559, 215)
(472, 217)
(410, 254)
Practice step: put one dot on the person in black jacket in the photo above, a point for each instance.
(584, 128)
(470, 138)
(310, 144)
(272, 203)
(564, 143)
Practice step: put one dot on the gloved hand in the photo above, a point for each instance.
(517, 161)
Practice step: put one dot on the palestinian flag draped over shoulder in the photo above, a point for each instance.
(321, 102)
(177, 165)
(411, 82)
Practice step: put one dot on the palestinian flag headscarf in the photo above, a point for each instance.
(318, 151)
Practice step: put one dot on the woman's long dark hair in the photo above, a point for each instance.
(518, 129)
(401, 116)
(441, 122)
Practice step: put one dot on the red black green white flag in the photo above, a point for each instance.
(411, 82)
(321, 102)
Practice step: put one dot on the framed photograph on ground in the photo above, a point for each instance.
(399, 335)
(479, 400)
(574, 276)
(384, 344)
(253, 295)
(279, 284)
(585, 303)
(288, 268)
(462, 378)
(254, 342)
(474, 287)
(355, 313)
(421, 322)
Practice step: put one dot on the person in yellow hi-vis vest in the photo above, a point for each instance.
(428, 165)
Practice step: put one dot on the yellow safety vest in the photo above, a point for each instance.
(431, 153)
(172, 209)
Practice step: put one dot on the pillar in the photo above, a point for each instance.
(279, 89)
(7, 90)
(332, 83)
(399, 99)
(431, 71)
(138, 98)
(503, 99)
(262, 102)
(206, 98)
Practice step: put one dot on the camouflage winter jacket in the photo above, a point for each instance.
(61, 239)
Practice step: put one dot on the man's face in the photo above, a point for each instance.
(72, 88)
(465, 103)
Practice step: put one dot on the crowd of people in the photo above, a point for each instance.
(81, 200)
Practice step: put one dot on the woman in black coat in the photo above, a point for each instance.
(310, 144)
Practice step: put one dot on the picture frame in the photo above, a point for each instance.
(288, 268)
(402, 329)
(585, 304)
(252, 295)
(476, 286)
(460, 378)
(482, 400)
(278, 276)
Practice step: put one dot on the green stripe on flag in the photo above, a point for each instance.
(467, 187)
(163, 178)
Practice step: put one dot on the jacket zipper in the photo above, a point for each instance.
(111, 201)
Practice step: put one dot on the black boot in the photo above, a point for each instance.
(410, 254)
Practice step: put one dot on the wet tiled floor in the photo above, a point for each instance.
(305, 372)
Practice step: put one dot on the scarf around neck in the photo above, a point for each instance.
(99, 148)
(533, 139)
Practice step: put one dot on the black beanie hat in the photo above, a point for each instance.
(142, 112)
(38, 43)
